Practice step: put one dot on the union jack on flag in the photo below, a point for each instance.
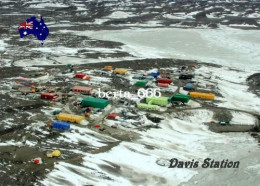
(34, 27)
(26, 25)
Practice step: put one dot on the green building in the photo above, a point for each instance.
(141, 83)
(161, 101)
(94, 102)
(147, 107)
(180, 97)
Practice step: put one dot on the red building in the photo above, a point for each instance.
(164, 80)
(80, 75)
(112, 116)
(81, 89)
(47, 95)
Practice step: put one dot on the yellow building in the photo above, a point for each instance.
(120, 71)
(70, 118)
(202, 95)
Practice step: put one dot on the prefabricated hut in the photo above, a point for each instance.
(46, 95)
(141, 83)
(94, 102)
(70, 118)
(180, 97)
(202, 95)
(164, 80)
(147, 107)
(161, 101)
(80, 75)
(120, 71)
(82, 89)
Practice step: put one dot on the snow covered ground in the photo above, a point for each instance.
(147, 160)
(229, 47)
(226, 46)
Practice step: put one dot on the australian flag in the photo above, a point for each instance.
(34, 27)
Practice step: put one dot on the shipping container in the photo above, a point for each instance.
(147, 107)
(202, 95)
(180, 97)
(82, 89)
(141, 83)
(47, 95)
(161, 101)
(94, 102)
(70, 118)
(164, 80)
(120, 71)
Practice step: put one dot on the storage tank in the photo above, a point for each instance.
(188, 86)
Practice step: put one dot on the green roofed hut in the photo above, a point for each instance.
(94, 102)
(179, 97)
(141, 83)
(161, 101)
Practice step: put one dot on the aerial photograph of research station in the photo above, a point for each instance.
(130, 92)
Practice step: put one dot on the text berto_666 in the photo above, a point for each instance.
(142, 93)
